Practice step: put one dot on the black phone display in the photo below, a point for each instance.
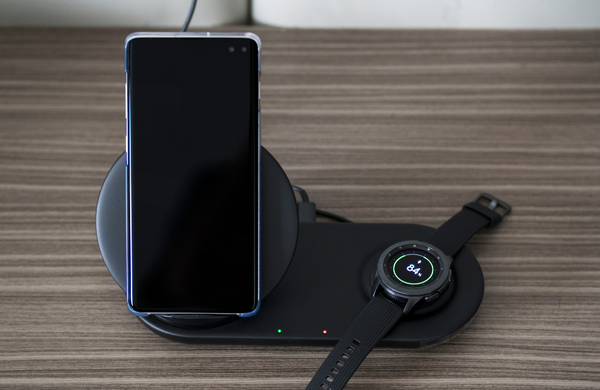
(193, 173)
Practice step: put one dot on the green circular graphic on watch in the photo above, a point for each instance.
(412, 269)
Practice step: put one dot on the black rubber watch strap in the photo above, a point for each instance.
(454, 233)
(373, 323)
(452, 236)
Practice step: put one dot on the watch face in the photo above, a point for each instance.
(413, 268)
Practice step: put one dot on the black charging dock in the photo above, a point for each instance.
(315, 276)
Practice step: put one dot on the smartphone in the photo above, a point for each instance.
(193, 173)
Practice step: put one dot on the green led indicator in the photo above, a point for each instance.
(278, 330)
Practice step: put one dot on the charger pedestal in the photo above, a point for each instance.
(315, 276)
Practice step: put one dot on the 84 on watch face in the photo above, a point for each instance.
(412, 268)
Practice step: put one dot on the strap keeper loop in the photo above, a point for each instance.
(493, 216)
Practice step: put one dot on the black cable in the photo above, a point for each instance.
(332, 216)
(307, 210)
(302, 193)
(189, 17)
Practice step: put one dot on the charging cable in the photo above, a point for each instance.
(308, 211)
(189, 17)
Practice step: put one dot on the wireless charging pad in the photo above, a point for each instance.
(315, 275)
(279, 226)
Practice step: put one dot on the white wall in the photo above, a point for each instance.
(149, 13)
(494, 14)
(171, 14)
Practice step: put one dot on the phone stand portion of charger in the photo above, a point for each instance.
(315, 276)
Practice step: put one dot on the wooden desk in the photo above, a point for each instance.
(378, 126)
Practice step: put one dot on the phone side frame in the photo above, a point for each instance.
(129, 281)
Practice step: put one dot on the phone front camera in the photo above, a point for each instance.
(244, 49)
(231, 49)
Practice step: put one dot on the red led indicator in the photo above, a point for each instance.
(324, 331)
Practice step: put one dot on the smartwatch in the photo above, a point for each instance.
(408, 274)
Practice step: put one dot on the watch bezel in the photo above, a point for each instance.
(396, 291)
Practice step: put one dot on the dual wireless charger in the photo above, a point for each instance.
(315, 276)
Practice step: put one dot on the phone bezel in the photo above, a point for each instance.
(189, 35)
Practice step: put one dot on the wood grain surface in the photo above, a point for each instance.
(378, 126)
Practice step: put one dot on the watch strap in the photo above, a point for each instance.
(454, 233)
(372, 324)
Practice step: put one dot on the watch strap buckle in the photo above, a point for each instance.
(489, 211)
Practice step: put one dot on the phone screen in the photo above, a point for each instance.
(193, 174)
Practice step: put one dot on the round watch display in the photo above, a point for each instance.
(413, 268)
